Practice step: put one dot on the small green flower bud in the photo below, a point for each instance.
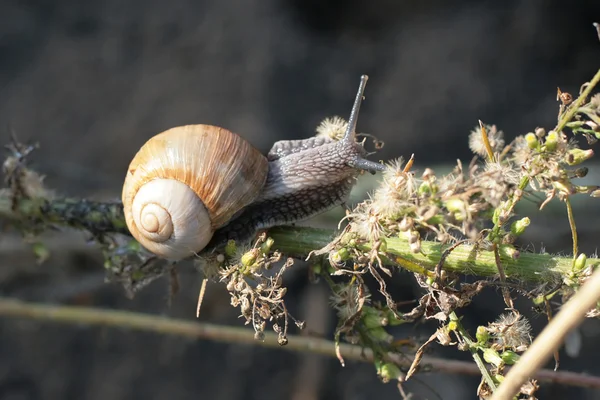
(482, 335)
(579, 264)
(425, 188)
(532, 141)
(496, 216)
(389, 372)
(518, 227)
(577, 156)
(551, 141)
(373, 318)
(393, 320)
(379, 334)
(499, 378)
(452, 325)
(249, 258)
(230, 248)
(509, 357)
(340, 255)
(491, 356)
(455, 205)
(265, 248)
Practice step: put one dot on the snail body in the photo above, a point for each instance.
(195, 187)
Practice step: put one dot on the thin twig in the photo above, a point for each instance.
(573, 228)
(570, 316)
(219, 333)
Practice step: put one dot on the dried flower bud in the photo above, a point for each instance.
(415, 247)
(333, 128)
(406, 224)
(428, 174)
(540, 132)
(577, 156)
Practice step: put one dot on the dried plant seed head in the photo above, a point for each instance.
(511, 331)
(333, 128)
(495, 137)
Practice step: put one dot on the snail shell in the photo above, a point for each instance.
(185, 183)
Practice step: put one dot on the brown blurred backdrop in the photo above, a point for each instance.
(92, 80)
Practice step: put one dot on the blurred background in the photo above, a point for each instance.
(91, 81)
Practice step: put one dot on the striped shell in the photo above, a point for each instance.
(186, 182)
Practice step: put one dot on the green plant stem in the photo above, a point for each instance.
(574, 107)
(225, 334)
(473, 349)
(465, 259)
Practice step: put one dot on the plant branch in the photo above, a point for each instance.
(466, 259)
(225, 334)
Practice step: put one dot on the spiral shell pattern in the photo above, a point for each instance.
(185, 183)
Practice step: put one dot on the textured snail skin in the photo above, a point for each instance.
(305, 178)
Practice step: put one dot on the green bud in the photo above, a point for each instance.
(393, 320)
(482, 335)
(491, 356)
(518, 227)
(249, 258)
(265, 248)
(373, 318)
(452, 325)
(457, 207)
(389, 372)
(509, 357)
(230, 248)
(340, 255)
(532, 141)
(579, 264)
(499, 378)
(379, 334)
(551, 141)
(577, 156)
(496, 216)
(424, 189)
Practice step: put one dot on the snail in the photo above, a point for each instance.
(192, 188)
